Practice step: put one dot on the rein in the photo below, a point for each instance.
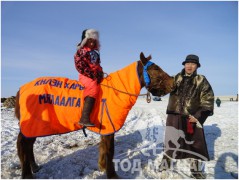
(147, 81)
(148, 97)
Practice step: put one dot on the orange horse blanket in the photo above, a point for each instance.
(53, 105)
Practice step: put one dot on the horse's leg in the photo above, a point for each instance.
(33, 164)
(22, 151)
(25, 146)
(106, 156)
(102, 154)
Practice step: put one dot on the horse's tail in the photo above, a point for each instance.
(17, 106)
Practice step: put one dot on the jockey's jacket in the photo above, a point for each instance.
(87, 63)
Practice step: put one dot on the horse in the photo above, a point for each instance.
(149, 75)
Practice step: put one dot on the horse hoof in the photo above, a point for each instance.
(29, 176)
(115, 177)
(36, 168)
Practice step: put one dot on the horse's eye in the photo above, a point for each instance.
(156, 68)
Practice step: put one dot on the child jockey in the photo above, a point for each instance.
(87, 63)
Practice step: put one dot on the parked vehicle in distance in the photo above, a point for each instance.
(157, 99)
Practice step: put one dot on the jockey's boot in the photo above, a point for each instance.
(85, 117)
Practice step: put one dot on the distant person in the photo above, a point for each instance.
(190, 103)
(87, 63)
(218, 102)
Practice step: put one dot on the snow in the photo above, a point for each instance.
(138, 147)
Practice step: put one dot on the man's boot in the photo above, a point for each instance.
(197, 170)
(165, 164)
(85, 117)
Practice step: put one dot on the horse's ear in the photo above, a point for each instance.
(149, 57)
(143, 59)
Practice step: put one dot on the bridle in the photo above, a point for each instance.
(147, 78)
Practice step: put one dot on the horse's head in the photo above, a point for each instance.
(156, 81)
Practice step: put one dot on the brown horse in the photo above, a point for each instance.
(160, 84)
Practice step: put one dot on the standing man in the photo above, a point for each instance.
(218, 102)
(190, 103)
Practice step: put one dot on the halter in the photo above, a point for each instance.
(147, 79)
(146, 75)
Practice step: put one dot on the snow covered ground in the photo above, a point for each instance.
(138, 147)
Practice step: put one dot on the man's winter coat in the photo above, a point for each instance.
(193, 95)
